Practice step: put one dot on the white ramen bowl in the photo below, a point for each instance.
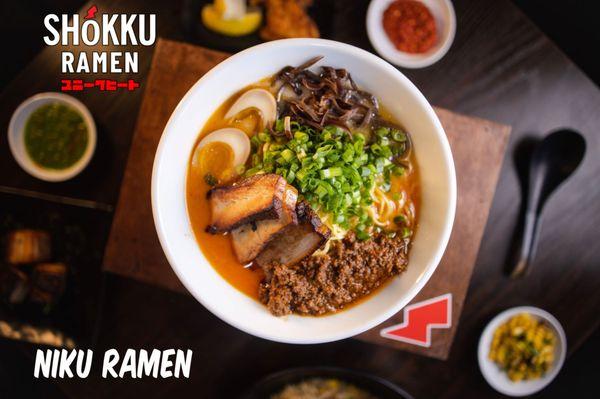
(405, 102)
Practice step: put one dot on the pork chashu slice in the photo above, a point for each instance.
(296, 242)
(249, 239)
(259, 197)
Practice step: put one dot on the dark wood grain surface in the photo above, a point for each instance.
(501, 68)
(175, 68)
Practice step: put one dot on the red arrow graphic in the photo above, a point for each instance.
(419, 319)
(91, 13)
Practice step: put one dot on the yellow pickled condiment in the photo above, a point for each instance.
(524, 347)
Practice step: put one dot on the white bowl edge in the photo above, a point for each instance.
(224, 310)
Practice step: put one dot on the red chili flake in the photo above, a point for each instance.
(410, 26)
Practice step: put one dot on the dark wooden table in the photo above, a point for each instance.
(500, 67)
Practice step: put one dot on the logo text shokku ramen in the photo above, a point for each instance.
(108, 33)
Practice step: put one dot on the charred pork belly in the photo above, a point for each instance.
(256, 198)
(298, 242)
(250, 239)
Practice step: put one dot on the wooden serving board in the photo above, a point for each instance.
(133, 249)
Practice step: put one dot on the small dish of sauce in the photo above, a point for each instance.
(52, 136)
(410, 26)
(411, 33)
(56, 136)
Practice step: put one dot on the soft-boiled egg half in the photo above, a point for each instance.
(258, 100)
(220, 154)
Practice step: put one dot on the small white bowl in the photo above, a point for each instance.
(16, 136)
(445, 21)
(498, 378)
(407, 105)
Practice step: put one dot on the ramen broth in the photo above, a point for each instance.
(217, 248)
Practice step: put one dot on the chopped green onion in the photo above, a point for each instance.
(264, 137)
(398, 170)
(279, 125)
(400, 220)
(362, 235)
(287, 154)
(398, 135)
(210, 179)
(331, 172)
(332, 169)
(382, 131)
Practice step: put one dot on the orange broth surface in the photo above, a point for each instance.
(217, 248)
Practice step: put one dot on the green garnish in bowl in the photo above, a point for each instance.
(334, 170)
(56, 136)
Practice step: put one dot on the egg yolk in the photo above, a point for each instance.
(248, 121)
(216, 159)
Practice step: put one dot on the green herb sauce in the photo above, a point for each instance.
(56, 136)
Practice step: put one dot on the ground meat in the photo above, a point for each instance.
(323, 284)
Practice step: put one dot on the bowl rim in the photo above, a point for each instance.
(377, 36)
(342, 373)
(23, 159)
(368, 57)
(483, 349)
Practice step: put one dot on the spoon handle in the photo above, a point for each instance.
(528, 244)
